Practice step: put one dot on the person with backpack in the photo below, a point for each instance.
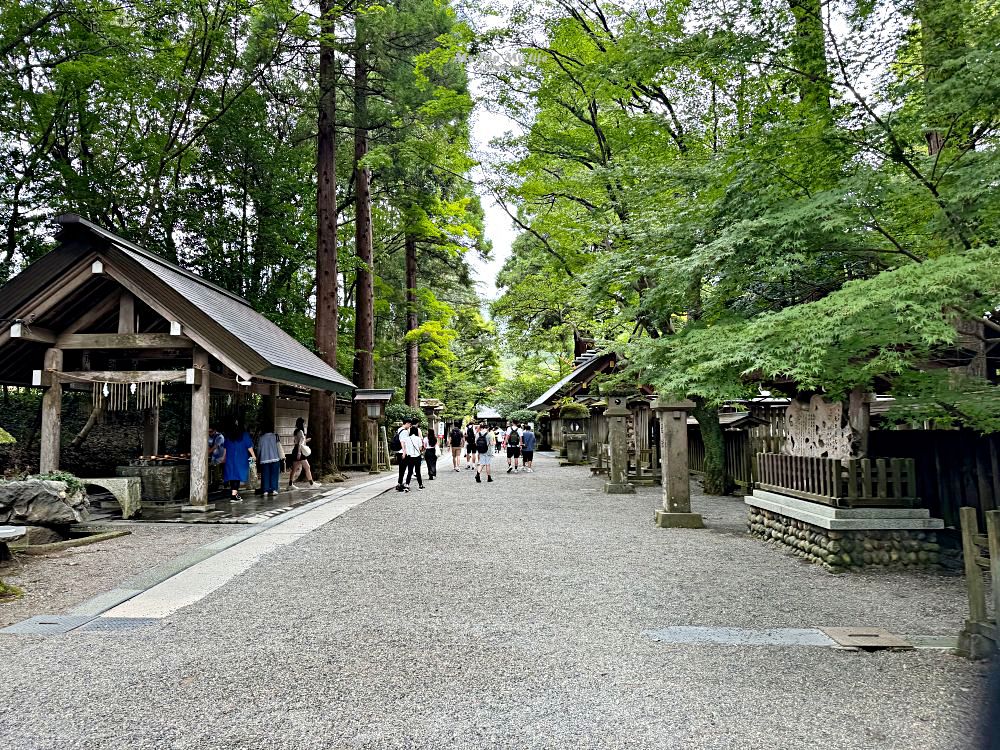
(513, 443)
(485, 448)
(455, 440)
(470, 446)
(396, 446)
(528, 448)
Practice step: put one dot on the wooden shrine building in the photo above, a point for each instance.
(99, 312)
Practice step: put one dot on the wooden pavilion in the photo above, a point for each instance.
(99, 312)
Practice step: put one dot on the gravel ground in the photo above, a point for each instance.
(54, 583)
(507, 615)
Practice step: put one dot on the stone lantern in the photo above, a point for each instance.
(375, 400)
(574, 434)
(617, 414)
(676, 511)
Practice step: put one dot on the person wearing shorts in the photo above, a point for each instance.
(485, 459)
(455, 440)
(513, 442)
(528, 448)
(470, 446)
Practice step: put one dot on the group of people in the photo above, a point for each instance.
(479, 442)
(414, 448)
(232, 458)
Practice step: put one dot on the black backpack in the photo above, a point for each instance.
(395, 445)
(456, 437)
(513, 439)
(482, 444)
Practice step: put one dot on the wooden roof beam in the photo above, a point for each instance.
(24, 332)
(122, 341)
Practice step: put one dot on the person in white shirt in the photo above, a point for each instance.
(413, 445)
(402, 433)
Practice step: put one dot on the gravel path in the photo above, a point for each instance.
(54, 583)
(507, 615)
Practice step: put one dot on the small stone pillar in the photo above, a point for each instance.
(617, 412)
(676, 512)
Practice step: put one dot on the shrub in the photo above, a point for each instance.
(573, 410)
(523, 415)
(73, 484)
(396, 413)
(6, 438)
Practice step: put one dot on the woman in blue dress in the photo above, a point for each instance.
(239, 452)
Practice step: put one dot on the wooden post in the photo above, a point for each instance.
(126, 313)
(199, 435)
(993, 541)
(51, 415)
(973, 573)
(676, 512)
(151, 431)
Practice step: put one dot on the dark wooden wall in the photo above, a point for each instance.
(955, 468)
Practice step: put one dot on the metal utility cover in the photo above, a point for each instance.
(48, 625)
(113, 624)
(866, 638)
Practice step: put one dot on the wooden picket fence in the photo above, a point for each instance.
(982, 559)
(853, 483)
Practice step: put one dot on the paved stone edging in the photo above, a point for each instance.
(140, 584)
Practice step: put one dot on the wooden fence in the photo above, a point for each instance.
(955, 468)
(854, 482)
(982, 556)
(739, 459)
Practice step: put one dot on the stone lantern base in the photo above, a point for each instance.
(668, 520)
(619, 488)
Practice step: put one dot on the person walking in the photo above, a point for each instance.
(239, 454)
(485, 448)
(397, 445)
(413, 445)
(470, 446)
(430, 454)
(528, 448)
(513, 442)
(456, 440)
(216, 457)
(270, 454)
(300, 456)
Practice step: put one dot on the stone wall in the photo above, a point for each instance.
(838, 551)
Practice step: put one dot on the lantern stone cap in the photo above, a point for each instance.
(374, 394)
(678, 404)
(617, 406)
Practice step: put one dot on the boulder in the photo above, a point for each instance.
(41, 502)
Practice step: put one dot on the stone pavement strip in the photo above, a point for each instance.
(517, 614)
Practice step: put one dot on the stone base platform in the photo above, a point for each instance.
(846, 538)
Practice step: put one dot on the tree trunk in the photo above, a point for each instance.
(809, 53)
(321, 403)
(364, 317)
(716, 480)
(412, 349)
(942, 37)
(92, 420)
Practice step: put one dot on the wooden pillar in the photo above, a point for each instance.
(126, 313)
(199, 434)
(676, 512)
(151, 431)
(51, 414)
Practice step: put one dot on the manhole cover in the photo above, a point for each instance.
(866, 638)
(47, 625)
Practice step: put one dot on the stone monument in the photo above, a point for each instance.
(676, 512)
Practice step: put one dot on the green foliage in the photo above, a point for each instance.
(573, 410)
(395, 414)
(9, 591)
(523, 416)
(6, 438)
(74, 484)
